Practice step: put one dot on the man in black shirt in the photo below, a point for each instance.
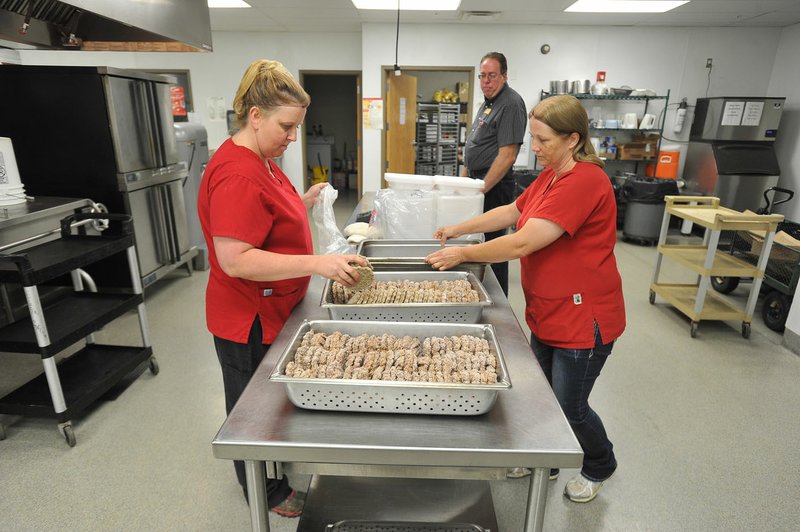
(494, 142)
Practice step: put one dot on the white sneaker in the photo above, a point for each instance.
(581, 489)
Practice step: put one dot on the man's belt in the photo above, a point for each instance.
(478, 174)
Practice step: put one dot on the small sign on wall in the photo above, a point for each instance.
(372, 112)
(215, 107)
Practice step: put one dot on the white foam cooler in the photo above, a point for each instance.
(462, 186)
(424, 203)
(409, 181)
(458, 199)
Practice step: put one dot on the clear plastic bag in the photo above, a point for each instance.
(405, 213)
(331, 239)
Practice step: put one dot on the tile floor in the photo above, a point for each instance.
(706, 430)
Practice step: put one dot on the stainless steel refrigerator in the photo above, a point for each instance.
(193, 149)
(731, 150)
(105, 134)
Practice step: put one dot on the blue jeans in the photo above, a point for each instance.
(572, 373)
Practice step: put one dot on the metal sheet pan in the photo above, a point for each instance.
(409, 255)
(402, 397)
(463, 312)
(400, 249)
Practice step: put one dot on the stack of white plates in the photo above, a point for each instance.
(12, 194)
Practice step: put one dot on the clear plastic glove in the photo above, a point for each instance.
(312, 194)
(331, 239)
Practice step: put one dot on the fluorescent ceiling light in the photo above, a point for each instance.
(409, 5)
(624, 6)
(227, 3)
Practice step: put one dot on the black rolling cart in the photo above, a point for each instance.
(68, 387)
(783, 266)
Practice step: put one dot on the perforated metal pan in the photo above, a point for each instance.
(400, 397)
(401, 526)
(434, 312)
(409, 255)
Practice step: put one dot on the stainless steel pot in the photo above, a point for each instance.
(559, 86)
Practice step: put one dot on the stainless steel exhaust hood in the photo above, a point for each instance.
(116, 25)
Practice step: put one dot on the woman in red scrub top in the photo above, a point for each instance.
(565, 237)
(259, 242)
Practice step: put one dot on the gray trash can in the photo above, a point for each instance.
(644, 209)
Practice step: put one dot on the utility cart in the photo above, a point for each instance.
(783, 266)
(74, 383)
(695, 300)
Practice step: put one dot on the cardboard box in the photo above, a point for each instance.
(462, 88)
(637, 151)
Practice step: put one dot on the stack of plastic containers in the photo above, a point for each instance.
(418, 204)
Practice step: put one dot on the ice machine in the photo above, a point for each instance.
(731, 149)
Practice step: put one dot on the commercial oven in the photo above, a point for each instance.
(106, 134)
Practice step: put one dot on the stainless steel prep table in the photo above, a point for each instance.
(525, 428)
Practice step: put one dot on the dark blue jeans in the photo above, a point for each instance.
(572, 373)
(239, 362)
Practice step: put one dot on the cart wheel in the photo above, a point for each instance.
(693, 330)
(775, 310)
(154, 366)
(745, 329)
(66, 430)
(652, 297)
(724, 285)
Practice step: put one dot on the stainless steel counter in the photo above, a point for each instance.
(525, 428)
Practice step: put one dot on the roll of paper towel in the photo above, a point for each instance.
(11, 189)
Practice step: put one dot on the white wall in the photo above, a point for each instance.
(785, 81)
(657, 58)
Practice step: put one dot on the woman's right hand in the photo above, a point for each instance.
(340, 268)
(443, 233)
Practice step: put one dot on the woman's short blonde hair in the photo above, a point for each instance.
(267, 84)
(564, 114)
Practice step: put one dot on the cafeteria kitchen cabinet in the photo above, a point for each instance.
(77, 380)
(696, 300)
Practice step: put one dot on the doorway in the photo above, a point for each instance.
(404, 146)
(332, 130)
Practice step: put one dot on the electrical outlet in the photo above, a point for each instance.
(708, 63)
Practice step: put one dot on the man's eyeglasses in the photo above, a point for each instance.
(491, 75)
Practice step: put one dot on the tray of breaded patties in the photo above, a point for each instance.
(453, 297)
(393, 367)
(409, 255)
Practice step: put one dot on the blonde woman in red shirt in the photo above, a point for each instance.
(565, 237)
(259, 241)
